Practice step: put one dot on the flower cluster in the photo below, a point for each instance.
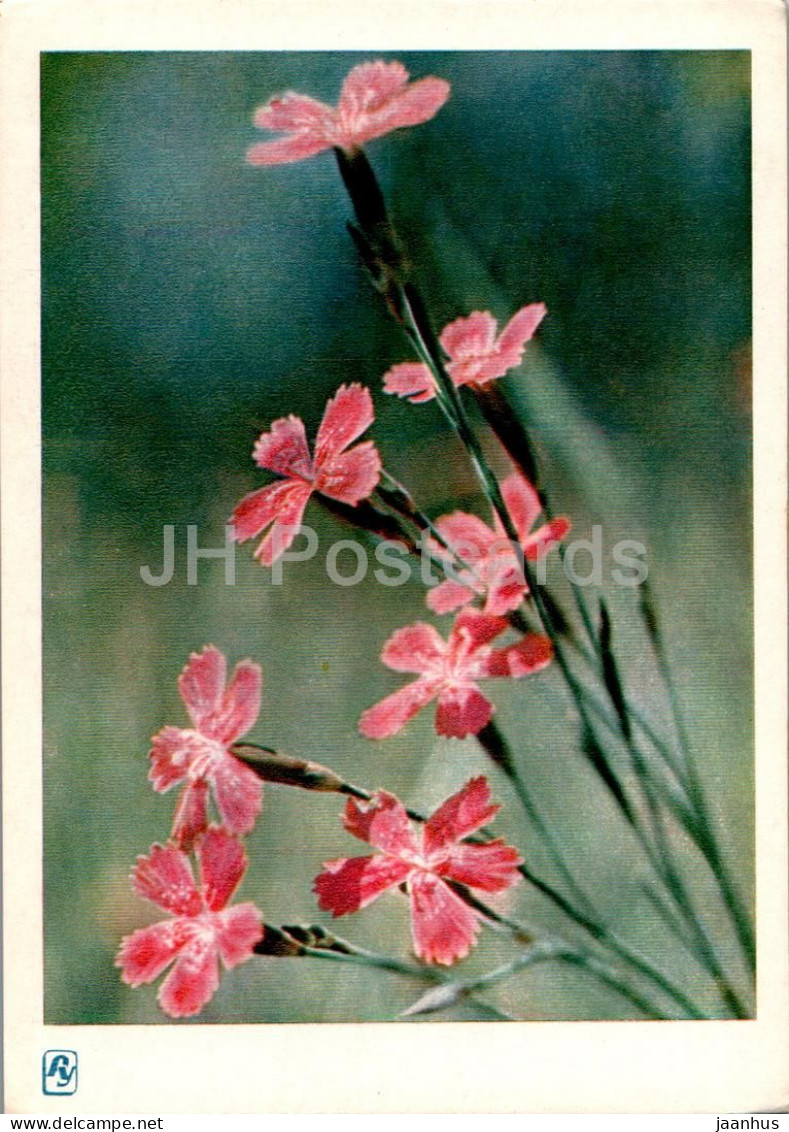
(443, 925)
(203, 929)
(194, 876)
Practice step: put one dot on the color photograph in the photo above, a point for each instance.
(397, 525)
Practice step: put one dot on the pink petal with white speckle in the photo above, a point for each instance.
(238, 792)
(347, 415)
(144, 954)
(351, 476)
(351, 883)
(479, 627)
(202, 684)
(443, 927)
(193, 979)
(283, 449)
(462, 712)
(170, 757)
(463, 813)
(412, 380)
(392, 713)
(165, 878)
(191, 814)
(296, 112)
(238, 929)
(521, 328)
(414, 648)
(240, 703)
(382, 822)
(223, 863)
(490, 868)
(284, 501)
(469, 337)
(531, 654)
(448, 596)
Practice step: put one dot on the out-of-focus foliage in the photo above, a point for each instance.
(189, 299)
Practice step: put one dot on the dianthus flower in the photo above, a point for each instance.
(449, 671)
(376, 98)
(476, 355)
(347, 476)
(200, 756)
(202, 929)
(443, 926)
(496, 570)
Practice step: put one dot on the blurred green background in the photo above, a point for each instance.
(189, 299)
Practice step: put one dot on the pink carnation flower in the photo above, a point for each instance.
(202, 929)
(476, 355)
(199, 756)
(495, 568)
(347, 475)
(449, 671)
(443, 926)
(376, 98)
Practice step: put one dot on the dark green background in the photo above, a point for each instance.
(189, 299)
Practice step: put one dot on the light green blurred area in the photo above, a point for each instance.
(190, 299)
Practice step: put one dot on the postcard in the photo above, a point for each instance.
(393, 488)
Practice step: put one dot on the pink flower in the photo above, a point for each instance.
(443, 926)
(449, 671)
(475, 354)
(348, 476)
(202, 928)
(495, 567)
(376, 98)
(199, 756)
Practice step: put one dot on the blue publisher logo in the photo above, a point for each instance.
(59, 1072)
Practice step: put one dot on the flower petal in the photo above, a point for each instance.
(462, 712)
(281, 151)
(170, 756)
(351, 476)
(521, 328)
(531, 654)
(193, 980)
(491, 868)
(351, 883)
(414, 648)
(480, 628)
(392, 713)
(261, 507)
(223, 863)
(294, 112)
(370, 84)
(412, 380)
(470, 337)
(443, 927)
(202, 684)
(461, 814)
(448, 596)
(238, 792)
(240, 703)
(283, 449)
(165, 878)
(191, 815)
(466, 534)
(523, 503)
(545, 537)
(238, 929)
(144, 954)
(418, 103)
(381, 822)
(347, 415)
